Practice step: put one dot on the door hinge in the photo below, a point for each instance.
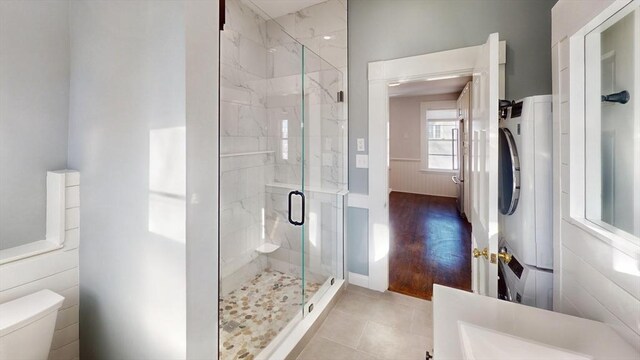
(340, 96)
(221, 14)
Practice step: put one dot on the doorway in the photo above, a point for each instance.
(486, 63)
(430, 237)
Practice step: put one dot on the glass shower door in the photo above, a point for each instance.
(324, 135)
(282, 186)
(261, 172)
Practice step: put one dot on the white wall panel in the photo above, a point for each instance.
(127, 136)
(56, 271)
(588, 306)
(56, 282)
(620, 303)
(65, 336)
(617, 266)
(596, 279)
(66, 317)
(31, 269)
(405, 176)
(70, 351)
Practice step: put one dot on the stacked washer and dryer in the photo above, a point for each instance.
(525, 201)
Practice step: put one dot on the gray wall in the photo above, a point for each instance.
(405, 125)
(127, 139)
(383, 30)
(358, 244)
(34, 105)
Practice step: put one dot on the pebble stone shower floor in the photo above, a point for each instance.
(254, 314)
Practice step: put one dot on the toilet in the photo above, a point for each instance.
(27, 325)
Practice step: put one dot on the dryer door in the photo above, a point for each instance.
(508, 173)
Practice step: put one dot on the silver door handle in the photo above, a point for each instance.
(456, 180)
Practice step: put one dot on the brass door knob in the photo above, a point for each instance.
(504, 255)
(477, 253)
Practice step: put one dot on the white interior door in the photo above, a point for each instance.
(484, 168)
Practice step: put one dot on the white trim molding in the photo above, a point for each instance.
(358, 200)
(358, 280)
(380, 73)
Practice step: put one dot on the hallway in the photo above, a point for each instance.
(430, 244)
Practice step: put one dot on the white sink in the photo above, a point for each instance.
(482, 343)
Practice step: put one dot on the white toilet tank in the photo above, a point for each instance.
(27, 325)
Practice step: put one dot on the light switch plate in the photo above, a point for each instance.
(360, 142)
(362, 161)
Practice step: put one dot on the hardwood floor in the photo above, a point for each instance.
(430, 244)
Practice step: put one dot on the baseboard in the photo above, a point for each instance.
(359, 280)
(428, 194)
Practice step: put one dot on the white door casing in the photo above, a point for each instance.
(484, 167)
(461, 62)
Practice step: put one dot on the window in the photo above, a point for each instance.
(440, 149)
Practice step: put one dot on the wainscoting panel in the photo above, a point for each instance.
(57, 271)
(596, 275)
(405, 176)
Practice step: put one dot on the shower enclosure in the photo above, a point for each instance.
(282, 181)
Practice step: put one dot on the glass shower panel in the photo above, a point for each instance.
(282, 181)
(261, 163)
(283, 211)
(324, 135)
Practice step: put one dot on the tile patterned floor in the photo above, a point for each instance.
(251, 316)
(366, 325)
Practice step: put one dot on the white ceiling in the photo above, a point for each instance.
(432, 87)
(277, 8)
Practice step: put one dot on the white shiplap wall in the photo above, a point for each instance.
(405, 175)
(594, 277)
(57, 271)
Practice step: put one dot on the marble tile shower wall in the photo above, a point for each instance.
(245, 164)
(322, 29)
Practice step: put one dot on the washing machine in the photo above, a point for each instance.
(526, 284)
(525, 199)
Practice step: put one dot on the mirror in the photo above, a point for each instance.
(34, 103)
(612, 61)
